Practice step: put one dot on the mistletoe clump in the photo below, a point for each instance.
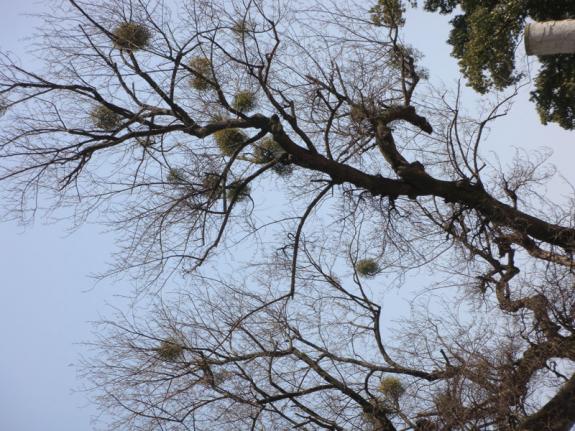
(357, 115)
(213, 186)
(391, 388)
(367, 268)
(203, 73)
(145, 142)
(283, 168)
(241, 27)
(170, 350)
(244, 101)
(3, 106)
(176, 176)
(229, 140)
(267, 151)
(131, 36)
(106, 119)
(238, 191)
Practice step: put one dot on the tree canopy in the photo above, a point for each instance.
(485, 35)
(290, 163)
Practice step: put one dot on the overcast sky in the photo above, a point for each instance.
(46, 298)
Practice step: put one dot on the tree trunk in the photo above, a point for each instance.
(550, 37)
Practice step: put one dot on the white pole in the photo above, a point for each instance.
(550, 37)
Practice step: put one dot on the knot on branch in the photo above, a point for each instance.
(261, 121)
(275, 125)
(414, 174)
(411, 171)
(405, 113)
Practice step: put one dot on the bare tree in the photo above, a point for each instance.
(281, 156)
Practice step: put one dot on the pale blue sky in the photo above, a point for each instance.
(46, 298)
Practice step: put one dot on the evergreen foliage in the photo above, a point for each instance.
(388, 13)
(555, 90)
(484, 37)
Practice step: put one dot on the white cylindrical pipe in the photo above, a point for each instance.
(550, 37)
